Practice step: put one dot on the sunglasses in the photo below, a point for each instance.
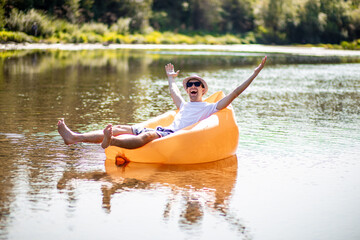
(190, 84)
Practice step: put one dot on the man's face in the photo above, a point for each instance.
(195, 90)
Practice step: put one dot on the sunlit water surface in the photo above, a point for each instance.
(296, 174)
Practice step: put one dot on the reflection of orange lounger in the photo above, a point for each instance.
(217, 175)
(209, 140)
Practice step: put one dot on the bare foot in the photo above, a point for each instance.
(108, 133)
(65, 132)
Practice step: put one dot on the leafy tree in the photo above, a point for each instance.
(141, 17)
(2, 14)
(337, 19)
(312, 22)
(72, 10)
(354, 25)
(272, 27)
(205, 14)
(170, 14)
(86, 10)
(237, 16)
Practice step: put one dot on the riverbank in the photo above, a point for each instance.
(249, 48)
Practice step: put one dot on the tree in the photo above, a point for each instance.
(272, 27)
(312, 22)
(354, 25)
(205, 14)
(337, 20)
(237, 16)
(140, 19)
(72, 10)
(2, 14)
(170, 14)
(86, 10)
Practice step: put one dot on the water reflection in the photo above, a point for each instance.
(298, 114)
(200, 186)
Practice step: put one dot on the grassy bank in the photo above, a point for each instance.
(36, 27)
(150, 38)
(114, 37)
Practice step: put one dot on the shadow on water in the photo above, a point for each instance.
(199, 186)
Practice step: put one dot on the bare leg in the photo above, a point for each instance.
(128, 141)
(71, 137)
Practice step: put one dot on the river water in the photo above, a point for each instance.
(296, 174)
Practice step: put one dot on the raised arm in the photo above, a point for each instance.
(174, 90)
(223, 103)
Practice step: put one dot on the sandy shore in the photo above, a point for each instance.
(253, 48)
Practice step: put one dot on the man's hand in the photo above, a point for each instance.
(223, 103)
(174, 90)
(169, 68)
(261, 65)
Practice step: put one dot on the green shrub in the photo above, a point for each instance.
(229, 39)
(97, 28)
(78, 37)
(113, 37)
(154, 38)
(268, 36)
(122, 26)
(15, 37)
(64, 37)
(94, 38)
(354, 45)
(137, 38)
(63, 26)
(52, 39)
(32, 23)
(345, 45)
(2, 14)
(208, 39)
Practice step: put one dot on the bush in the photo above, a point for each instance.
(137, 38)
(171, 38)
(122, 26)
(268, 36)
(62, 26)
(78, 37)
(94, 38)
(64, 37)
(2, 14)
(153, 38)
(15, 37)
(229, 39)
(355, 45)
(98, 28)
(113, 37)
(32, 23)
(183, 39)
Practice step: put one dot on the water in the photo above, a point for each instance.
(295, 176)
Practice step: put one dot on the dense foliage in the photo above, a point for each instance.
(267, 21)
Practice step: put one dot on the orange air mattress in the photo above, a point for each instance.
(211, 139)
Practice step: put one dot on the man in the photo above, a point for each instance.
(132, 137)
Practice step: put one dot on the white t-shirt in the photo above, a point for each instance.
(192, 112)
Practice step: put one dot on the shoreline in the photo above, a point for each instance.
(248, 48)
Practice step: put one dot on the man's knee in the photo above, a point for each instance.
(148, 136)
(122, 129)
(119, 126)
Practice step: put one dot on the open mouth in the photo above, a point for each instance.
(193, 92)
